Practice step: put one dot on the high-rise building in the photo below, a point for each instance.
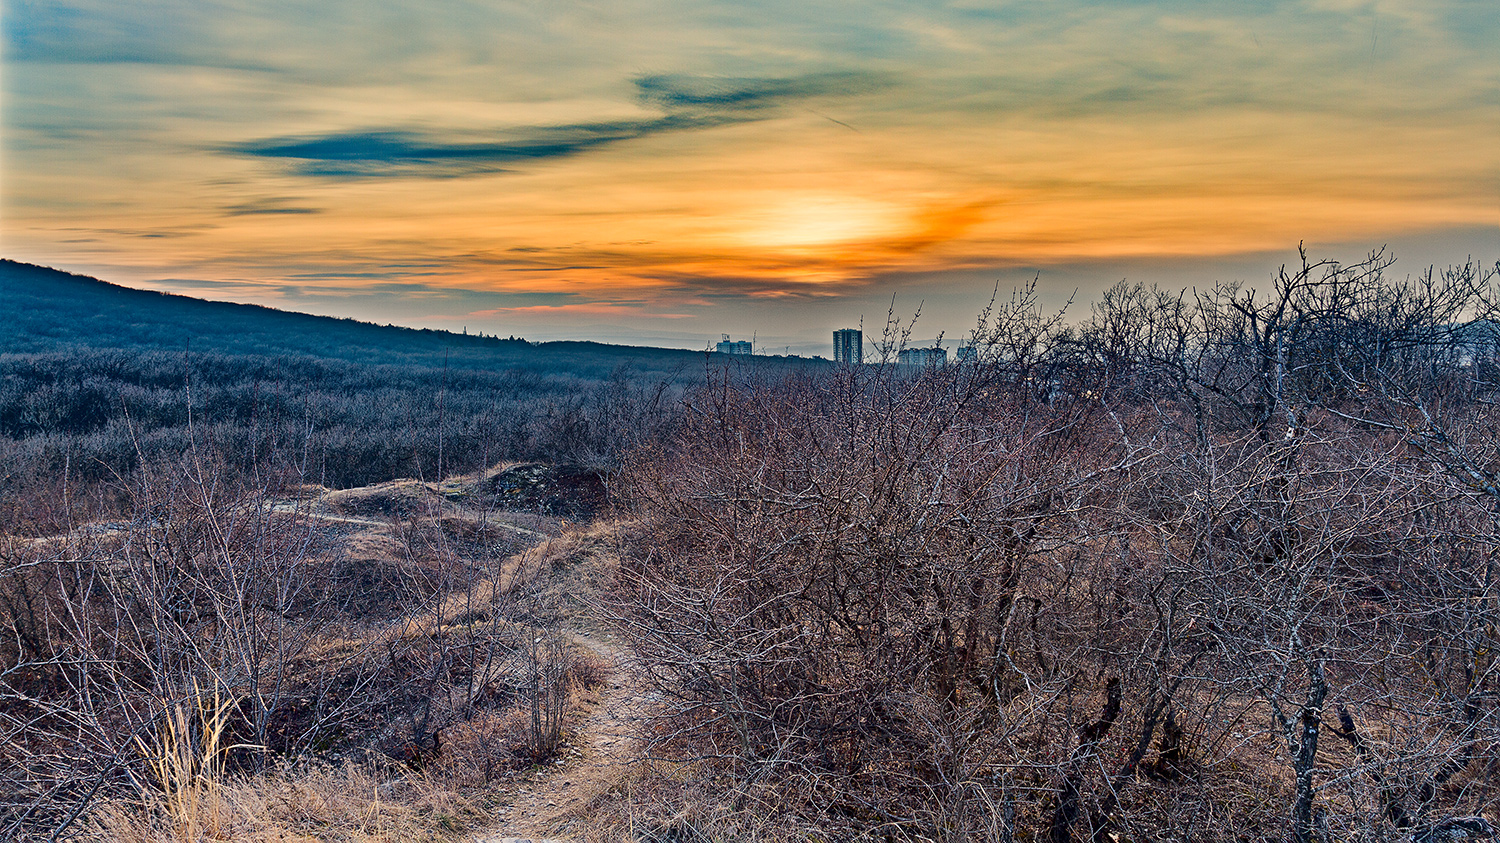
(729, 346)
(849, 345)
(924, 357)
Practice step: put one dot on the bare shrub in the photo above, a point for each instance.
(846, 580)
(127, 633)
(1110, 581)
(204, 594)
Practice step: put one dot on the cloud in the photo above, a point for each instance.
(268, 207)
(599, 308)
(689, 102)
(695, 153)
(163, 233)
(400, 153)
(749, 94)
(171, 33)
(179, 283)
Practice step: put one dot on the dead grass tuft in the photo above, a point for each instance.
(494, 744)
(348, 803)
(483, 749)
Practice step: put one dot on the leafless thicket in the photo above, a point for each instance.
(1207, 565)
(223, 632)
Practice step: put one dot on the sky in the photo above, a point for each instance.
(663, 172)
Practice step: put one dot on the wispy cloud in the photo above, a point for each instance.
(270, 207)
(399, 153)
(155, 32)
(620, 309)
(746, 95)
(688, 102)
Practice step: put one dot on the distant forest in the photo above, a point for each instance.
(95, 378)
(48, 310)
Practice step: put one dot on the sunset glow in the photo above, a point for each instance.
(666, 171)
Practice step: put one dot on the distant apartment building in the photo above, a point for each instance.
(1477, 342)
(966, 354)
(729, 346)
(849, 346)
(924, 357)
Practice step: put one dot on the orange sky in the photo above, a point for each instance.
(664, 171)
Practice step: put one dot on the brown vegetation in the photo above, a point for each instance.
(1110, 582)
(171, 676)
(1201, 566)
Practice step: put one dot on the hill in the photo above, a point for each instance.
(98, 380)
(49, 310)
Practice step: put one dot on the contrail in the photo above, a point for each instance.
(840, 122)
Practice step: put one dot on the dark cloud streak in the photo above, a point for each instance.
(398, 153)
(691, 103)
(267, 208)
(396, 291)
(748, 94)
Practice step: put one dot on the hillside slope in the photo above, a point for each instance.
(46, 309)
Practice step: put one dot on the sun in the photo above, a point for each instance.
(812, 221)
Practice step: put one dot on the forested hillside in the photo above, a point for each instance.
(96, 378)
(48, 310)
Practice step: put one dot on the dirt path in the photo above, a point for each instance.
(546, 804)
(300, 509)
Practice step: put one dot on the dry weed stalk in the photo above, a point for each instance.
(369, 803)
(186, 760)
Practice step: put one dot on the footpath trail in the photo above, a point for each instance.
(549, 801)
(300, 509)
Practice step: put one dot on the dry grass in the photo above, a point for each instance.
(682, 802)
(372, 803)
(563, 579)
(348, 803)
(303, 492)
(483, 749)
(496, 744)
(1241, 778)
(544, 685)
(185, 760)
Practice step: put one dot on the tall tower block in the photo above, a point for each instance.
(849, 345)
